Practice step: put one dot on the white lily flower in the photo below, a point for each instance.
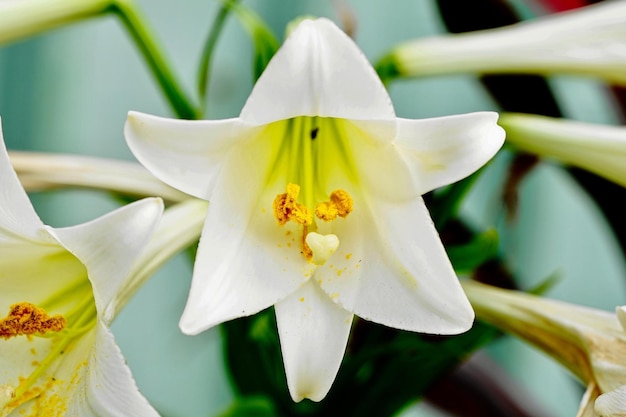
(589, 342)
(613, 403)
(315, 204)
(57, 353)
(587, 41)
(600, 149)
(23, 18)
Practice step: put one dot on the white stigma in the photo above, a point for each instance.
(322, 246)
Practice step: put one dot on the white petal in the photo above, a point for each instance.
(313, 337)
(35, 273)
(33, 264)
(90, 379)
(612, 404)
(587, 41)
(621, 316)
(108, 245)
(107, 388)
(319, 71)
(598, 148)
(17, 355)
(442, 150)
(185, 154)
(377, 164)
(60, 382)
(245, 261)
(392, 269)
(586, 407)
(17, 215)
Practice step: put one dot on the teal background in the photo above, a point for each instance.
(69, 91)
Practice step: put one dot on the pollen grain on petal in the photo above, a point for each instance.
(286, 207)
(27, 319)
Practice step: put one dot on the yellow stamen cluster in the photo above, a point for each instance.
(286, 207)
(340, 204)
(28, 319)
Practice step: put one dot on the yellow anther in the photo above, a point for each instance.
(28, 319)
(286, 207)
(340, 204)
(316, 248)
(306, 249)
(326, 211)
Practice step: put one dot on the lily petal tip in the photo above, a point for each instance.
(190, 325)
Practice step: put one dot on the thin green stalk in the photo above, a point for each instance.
(207, 53)
(134, 22)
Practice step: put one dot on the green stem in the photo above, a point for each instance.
(142, 35)
(207, 53)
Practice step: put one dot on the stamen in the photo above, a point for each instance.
(316, 248)
(321, 246)
(28, 319)
(340, 204)
(306, 249)
(286, 207)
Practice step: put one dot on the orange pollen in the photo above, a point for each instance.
(340, 204)
(306, 250)
(28, 319)
(286, 207)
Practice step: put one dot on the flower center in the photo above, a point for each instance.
(315, 247)
(55, 334)
(312, 155)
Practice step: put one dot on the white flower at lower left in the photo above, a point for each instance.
(58, 356)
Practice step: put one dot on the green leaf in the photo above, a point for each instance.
(387, 68)
(384, 369)
(252, 353)
(546, 284)
(483, 247)
(255, 406)
(446, 201)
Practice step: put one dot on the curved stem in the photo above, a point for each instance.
(134, 22)
(204, 71)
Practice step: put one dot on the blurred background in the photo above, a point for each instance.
(69, 91)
